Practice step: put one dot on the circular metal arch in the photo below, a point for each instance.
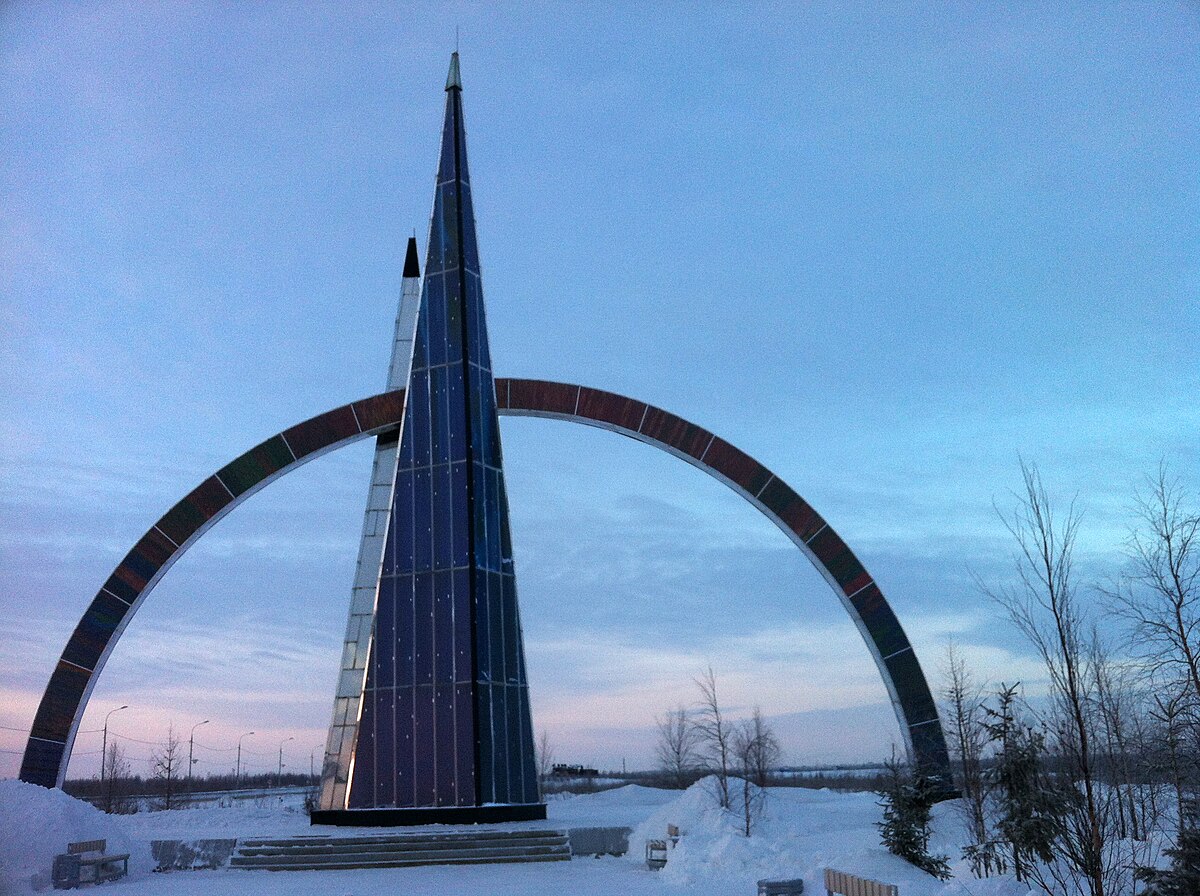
(56, 723)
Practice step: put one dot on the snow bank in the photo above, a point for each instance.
(37, 824)
(799, 833)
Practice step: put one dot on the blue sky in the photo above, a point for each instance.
(886, 252)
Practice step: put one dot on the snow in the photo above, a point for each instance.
(800, 832)
(36, 824)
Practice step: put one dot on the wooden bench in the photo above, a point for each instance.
(656, 854)
(87, 862)
(839, 883)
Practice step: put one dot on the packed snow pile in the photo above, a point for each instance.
(620, 807)
(796, 834)
(38, 824)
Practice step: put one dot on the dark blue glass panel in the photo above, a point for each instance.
(385, 748)
(436, 303)
(476, 316)
(443, 547)
(501, 741)
(483, 638)
(443, 646)
(496, 627)
(423, 628)
(438, 408)
(421, 337)
(478, 520)
(447, 759)
(463, 671)
(384, 643)
(530, 794)
(362, 793)
(512, 631)
(401, 541)
(422, 534)
(449, 218)
(461, 535)
(489, 438)
(454, 326)
(420, 418)
(492, 509)
(512, 706)
(456, 400)
(404, 747)
(425, 739)
(473, 409)
(405, 459)
(486, 741)
(506, 553)
(447, 164)
(470, 248)
(465, 755)
(403, 669)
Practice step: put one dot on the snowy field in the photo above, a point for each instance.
(802, 831)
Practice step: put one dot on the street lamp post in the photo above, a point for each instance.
(279, 774)
(104, 747)
(191, 744)
(237, 778)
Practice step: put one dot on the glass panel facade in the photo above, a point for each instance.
(445, 712)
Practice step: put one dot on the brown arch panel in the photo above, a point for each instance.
(57, 720)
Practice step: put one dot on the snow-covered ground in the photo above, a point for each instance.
(801, 832)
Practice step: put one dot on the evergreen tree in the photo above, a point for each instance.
(1183, 877)
(907, 800)
(1030, 807)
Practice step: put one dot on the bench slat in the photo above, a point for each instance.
(86, 846)
(840, 883)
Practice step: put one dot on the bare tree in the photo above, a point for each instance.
(1043, 607)
(676, 746)
(167, 764)
(1113, 699)
(1160, 593)
(715, 735)
(116, 776)
(757, 751)
(1170, 712)
(965, 716)
(544, 757)
(761, 748)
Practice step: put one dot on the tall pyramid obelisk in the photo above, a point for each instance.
(431, 717)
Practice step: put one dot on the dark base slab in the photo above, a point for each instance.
(396, 818)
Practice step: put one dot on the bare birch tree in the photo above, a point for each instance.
(1043, 606)
(116, 780)
(676, 745)
(965, 717)
(167, 764)
(543, 753)
(1160, 594)
(759, 748)
(715, 735)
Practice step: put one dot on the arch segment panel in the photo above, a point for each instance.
(61, 709)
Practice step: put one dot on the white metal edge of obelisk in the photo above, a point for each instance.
(337, 766)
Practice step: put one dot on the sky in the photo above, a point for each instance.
(887, 252)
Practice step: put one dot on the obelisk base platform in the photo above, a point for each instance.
(398, 818)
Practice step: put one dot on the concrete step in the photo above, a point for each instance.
(400, 850)
(449, 837)
(399, 863)
(242, 859)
